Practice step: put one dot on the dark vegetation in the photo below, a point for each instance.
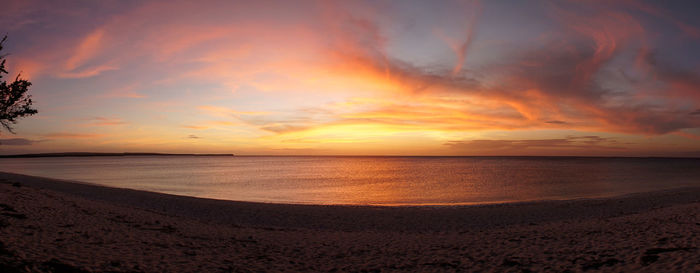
(15, 103)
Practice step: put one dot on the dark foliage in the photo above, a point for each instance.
(14, 101)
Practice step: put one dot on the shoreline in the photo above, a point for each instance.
(49, 225)
(435, 217)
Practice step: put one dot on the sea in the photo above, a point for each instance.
(371, 180)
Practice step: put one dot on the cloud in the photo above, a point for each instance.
(227, 112)
(688, 135)
(655, 10)
(461, 49)
(360, 53)
(566, 78)
(284, 128)
(87, 48)
(128, 91)
(62, 135)
(556, 122)
(104, 121)
(576, 144)
(562, 83)
(680, 83)
(596, 66)
(87, 72)
(193, 137)
(212, 124)
(81, 63)
(131, 95)
(17, 141)
(195, 127)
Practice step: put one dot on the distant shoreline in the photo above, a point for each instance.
(87, 154)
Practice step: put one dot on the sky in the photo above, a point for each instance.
(554, 78)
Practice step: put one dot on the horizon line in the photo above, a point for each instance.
(97, 154)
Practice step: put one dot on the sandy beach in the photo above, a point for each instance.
(49, 225)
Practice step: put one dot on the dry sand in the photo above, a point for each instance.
(50, 225)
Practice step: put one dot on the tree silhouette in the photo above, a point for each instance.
(14, 100)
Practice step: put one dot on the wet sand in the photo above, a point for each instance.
(50, 225)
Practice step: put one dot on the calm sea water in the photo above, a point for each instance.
(371, 180)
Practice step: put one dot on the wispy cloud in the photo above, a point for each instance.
(87, 72)
(128, 91)
(227, 112)
(62, 135)
(460, 47)
(105, 121)
(563, 80)
(343, 71)
(17, 141)
(195, 127)
(283, 128)
(86, 49)
(580, 144)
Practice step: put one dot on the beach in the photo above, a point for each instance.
(49, 225)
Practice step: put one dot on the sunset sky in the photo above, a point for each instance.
(608, 78)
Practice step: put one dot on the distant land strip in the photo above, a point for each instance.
(86, 154)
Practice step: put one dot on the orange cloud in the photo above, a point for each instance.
(127, 91)
(560, 82)
(582, 145)
(103, 121)
(688, 135)
(87, 49)
(195, 127)
(72, 136)
(226, 112)
(77, 65)
(337, 74)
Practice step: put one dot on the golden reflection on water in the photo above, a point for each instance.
(371, 180)
(371, 183)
